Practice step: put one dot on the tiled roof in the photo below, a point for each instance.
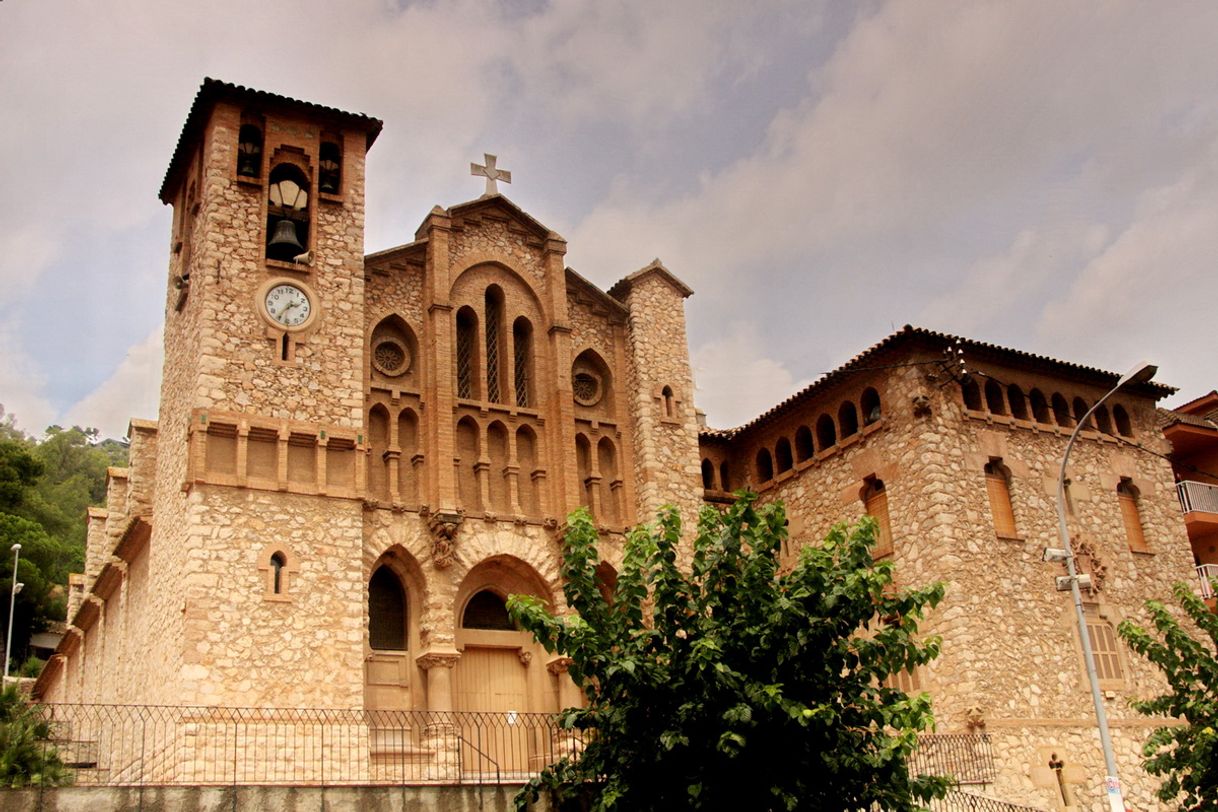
(213, 89)
(1167, 417)
(972, 348)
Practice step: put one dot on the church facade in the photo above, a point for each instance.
(358, 457)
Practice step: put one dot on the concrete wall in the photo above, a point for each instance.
(270, 799)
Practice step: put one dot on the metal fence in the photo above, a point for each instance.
(135, 745)
(143, 745)
(966, 757)
(957, 801)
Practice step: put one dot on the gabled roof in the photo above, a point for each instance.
(574, 280)
(213, 90)
(619, 288)
(502, 202)
(1206, 405)
(973, 351)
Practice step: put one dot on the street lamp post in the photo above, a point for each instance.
(1140, 374)
(12, 602)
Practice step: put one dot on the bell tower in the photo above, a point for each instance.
(261, 419)
(265, 297)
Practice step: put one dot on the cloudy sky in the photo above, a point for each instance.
(1041, 175)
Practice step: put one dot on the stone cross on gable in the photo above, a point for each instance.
(491, 173)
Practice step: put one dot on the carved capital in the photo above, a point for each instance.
(437, 659)
(443, 526)
(526, 657)
(559, 665)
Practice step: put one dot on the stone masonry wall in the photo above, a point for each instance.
(666, 463)
(1010, 649)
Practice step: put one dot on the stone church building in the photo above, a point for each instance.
(358, 457)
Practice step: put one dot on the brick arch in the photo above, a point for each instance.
(406, 567)
(504, 575)
(468, 288)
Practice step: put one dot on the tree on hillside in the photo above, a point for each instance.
(1185, 755)
(731, 683)
(45, 488)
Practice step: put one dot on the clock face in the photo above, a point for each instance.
(288, 305)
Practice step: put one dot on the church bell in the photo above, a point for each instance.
(285, 234)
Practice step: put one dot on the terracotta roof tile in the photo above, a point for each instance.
(979, 348)
(213, 89)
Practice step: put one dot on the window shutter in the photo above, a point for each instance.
(1104, 649)
(1000, 504)
(1133, 520)
(877, 508)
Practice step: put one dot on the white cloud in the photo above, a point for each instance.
(736, 380)
(1150, 293)
(22, 386)
(132, 391)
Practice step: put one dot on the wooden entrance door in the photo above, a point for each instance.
(491, 687)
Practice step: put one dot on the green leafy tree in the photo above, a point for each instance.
(45, 487)
(731, 683)
(1185, 755)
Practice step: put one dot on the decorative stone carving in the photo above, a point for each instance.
(443, 526)
(1086, 561)
(921, 406)
(974, 718)
(526, 657)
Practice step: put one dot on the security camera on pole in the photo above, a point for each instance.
(1073, 581)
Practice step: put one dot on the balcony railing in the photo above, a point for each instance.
(1197, 496)
(1205, 573)
(140, 745)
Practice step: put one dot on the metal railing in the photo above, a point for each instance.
(965, 757)
(141, 745)
(159, 745)
(957, 801)
(1205, 574)
(1197, 496)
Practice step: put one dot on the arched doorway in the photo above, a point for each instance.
(500, 682)
(390, 679)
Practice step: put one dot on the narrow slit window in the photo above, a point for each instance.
(277, 564)
(997, 485)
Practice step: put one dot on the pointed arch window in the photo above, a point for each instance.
(386, 611)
